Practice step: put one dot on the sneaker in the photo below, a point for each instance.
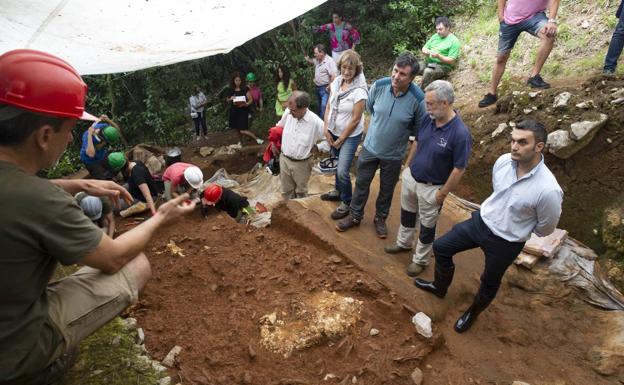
(537, 82)
(608, 73)
(341, 211)
(259, 141)
(413, 269)
(394, 249)
(487, 100)
(347, 223)
(380, 227)
(333, 195)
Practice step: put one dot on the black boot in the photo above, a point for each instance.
(441, 282)
(470, 316)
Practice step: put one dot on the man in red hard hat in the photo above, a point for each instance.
(41, 99)
(224, 199)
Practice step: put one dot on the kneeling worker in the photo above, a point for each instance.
(224, 199)
(138, 180)
(99, 210)
(180, 178)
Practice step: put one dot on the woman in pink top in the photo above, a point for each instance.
(342, 35)
(180, 178)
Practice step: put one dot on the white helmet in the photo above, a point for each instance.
(92, 207)
(194, 176)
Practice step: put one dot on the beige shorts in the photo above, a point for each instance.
(83, 302)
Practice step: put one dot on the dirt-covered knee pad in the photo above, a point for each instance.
(426, 234)
(408, 219)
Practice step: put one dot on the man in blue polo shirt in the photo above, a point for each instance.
(396, 108)
(439, 159)
(526, 199)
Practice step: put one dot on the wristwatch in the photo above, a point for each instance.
(554, 21)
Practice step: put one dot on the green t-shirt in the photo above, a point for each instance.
(40, 225)
(446, 46)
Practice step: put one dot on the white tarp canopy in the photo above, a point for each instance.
(112, 36)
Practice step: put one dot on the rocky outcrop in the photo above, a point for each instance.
(564, 143)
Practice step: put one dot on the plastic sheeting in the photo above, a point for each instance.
(125, 35)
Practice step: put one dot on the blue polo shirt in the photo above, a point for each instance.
(99, 153)
(440, 149)
(393, 119)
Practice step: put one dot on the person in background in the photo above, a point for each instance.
(302, 130)
(95, 145)
(285, 87)
(224, 199)
(526, 199)
(515, 17)
(137, 178)
(342, 35)
(616, 44)
(180, 178)
(198, 104)
(441, 53)
(397, 110)
(325, 71)
(99, 210)
(240, 99)
(256, 93)
(344, 125)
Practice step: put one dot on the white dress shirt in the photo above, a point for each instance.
(196, 100)
(519, 207)
(300, 135)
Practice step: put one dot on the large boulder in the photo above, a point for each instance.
(565, 143)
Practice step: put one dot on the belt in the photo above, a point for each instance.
(296, 160)
(324, 85)
(427, 183)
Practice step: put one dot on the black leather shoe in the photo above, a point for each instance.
(466, 320)
(430, 287)
(439, 286)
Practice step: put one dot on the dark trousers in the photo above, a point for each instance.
(100, 171)
(499, 253)
(389, 171)
(616, 45)
(321, 98)
(200, 121)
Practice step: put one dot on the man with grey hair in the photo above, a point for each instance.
(396, 108)
(302, 130)
(439, 158)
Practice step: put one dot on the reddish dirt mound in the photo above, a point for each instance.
(210, 303)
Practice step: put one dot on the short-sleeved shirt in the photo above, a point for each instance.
(448, 46)
(107, 208)
(256, 94)
(517, 11)
(196, 100)
(300, 135)
(394, 119)
(175, 173)
(139, 175)
(345, 102)
(231, 202)
(440, 149)
(100, 154)
(324, 70)
(40, 225)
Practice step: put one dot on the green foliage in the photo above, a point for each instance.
(68, 164)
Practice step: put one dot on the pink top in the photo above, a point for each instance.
(256, 94)
(175, 173)
(517, 11)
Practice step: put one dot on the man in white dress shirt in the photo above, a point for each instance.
(302, 130)
(526, 199)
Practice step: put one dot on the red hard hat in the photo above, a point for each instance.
(39, 82)
(213, 193)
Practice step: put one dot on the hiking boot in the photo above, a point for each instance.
(487, 100)
(608, 73)
(347, 223)
(341, 211)
(394, 249)
(57, 369)
(414, 269)
(333, 195)
(380, 227)
(537, 82)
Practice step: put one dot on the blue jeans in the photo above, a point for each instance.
(508, 34)
(389, 171)
(345, 155)
(321, 98)
(616, 45)
(499, 253)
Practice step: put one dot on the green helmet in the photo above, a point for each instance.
(116, 160)
(110, 134)
(251, 77)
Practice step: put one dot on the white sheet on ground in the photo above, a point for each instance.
(112, 36)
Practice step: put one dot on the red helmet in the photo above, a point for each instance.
(213, 193)
(43, 83)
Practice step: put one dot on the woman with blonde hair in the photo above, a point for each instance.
(344, 125)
